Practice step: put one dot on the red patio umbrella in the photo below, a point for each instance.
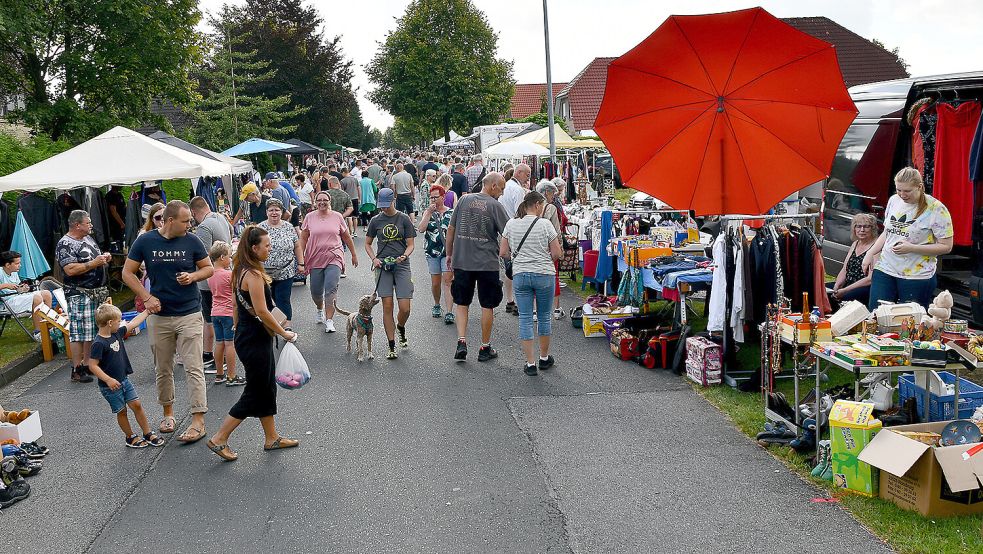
(726, 113)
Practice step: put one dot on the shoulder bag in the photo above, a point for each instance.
(508, 262)
(277, 313)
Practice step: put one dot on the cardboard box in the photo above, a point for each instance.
(593, 324)
(797, 331)
(934, 481)
(852, 427)
(25, 431)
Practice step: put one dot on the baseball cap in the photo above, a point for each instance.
(248, 189)
(270, 175)
(385, 199)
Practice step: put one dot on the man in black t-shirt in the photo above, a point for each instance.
(175, 261)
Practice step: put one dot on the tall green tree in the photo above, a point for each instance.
(311, 68)
(85, 65)
(438, 67)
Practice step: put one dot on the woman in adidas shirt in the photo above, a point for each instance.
(917, 229)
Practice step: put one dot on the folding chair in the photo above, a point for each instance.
(6, 314)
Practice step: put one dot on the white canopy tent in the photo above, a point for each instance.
(118, 156)
(516, 149)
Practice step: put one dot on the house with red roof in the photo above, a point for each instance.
(861, 61)
(528, 98)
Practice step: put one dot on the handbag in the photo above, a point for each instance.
(508, 263)
(277, 313)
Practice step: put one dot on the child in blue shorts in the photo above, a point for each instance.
(110, 364)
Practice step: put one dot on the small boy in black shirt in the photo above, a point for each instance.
(110, 364)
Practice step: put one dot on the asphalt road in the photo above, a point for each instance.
(422, 455)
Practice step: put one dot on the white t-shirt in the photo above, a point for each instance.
(512, 196)
(305, 192)
(901, 224)
(534, 256)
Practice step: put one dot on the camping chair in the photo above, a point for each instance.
(6, 314)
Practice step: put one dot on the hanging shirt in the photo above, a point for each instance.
(900, 224)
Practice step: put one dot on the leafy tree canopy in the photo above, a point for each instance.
(439, 68)
(85, 65)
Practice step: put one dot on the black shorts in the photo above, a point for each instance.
(206, 305)
(404, 203)
(489, 288)
(355, 208)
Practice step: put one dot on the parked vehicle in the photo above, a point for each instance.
(875, 147)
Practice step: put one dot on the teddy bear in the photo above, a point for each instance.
(938, 312)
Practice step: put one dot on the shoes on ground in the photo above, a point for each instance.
(449, 318)
(318, 317)
(530, 370)
(401, 331)
(547, 363)
(511, 308)
(437, 311)
(392, 355)
(461, 353)
(79, 375)
(329, 326)
(236, 381)
(486, 353)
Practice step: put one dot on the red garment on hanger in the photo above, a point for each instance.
(917, 148)
(953, 142)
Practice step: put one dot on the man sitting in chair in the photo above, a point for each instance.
(17, 295)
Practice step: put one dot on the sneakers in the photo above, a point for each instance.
(547, 363)
(392, 355)
(209, 364)
(318, 317)
(14, 494)
(79, 375)
(236, 381)
(401, 331)
(530, 370)
(559, 314)
(437, 311)
(511, 308)
(329, 326)
(449, 318)
(486, 353)
(461, 353)
(343, 275)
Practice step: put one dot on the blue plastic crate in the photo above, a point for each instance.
(940, 408)
(127, 316)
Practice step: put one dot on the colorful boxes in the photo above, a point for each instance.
(852, 427)
(704, 361)
(793, 328)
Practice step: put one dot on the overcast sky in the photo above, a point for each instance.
(934, 36)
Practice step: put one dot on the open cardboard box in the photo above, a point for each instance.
(26, 431)
(934, 481)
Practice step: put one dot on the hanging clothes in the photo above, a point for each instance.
(134, 219)
(42, 218)
(954, 141)
(976, 154)
(206, 190)
(6, 232)
(927, 121)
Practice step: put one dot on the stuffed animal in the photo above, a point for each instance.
(938, 312)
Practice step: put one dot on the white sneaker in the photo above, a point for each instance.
(318, 317)
(343, 275)
(329, 326)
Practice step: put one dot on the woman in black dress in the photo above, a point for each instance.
(254, 345)
(852, 282)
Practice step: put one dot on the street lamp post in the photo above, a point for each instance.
(549, 85)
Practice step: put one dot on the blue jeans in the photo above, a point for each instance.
(538, 287)
(119, 398)
(222, 324)
(896, 289)
(281, 295)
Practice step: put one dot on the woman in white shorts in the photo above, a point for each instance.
(17, 296)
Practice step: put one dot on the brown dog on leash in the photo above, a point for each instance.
(360, 324)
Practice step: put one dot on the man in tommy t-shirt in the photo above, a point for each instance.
(175, 261)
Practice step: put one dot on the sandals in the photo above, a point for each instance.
(191, 435)
(282, 442)
(219, 379)
(167, 425)
(223, 451)
(136, 441)
(236, 381)
(153, 439)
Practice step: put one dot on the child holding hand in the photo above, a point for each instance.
(110, 364)
(220, 283)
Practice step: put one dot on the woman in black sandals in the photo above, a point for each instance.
(852, 282)
(255, 327)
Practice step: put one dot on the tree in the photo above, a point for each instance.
(896, 51)
(389, 141)
(312, 70)
(228, 112)
(85, 65)
(438, 68)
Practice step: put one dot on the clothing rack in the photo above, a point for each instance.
(733, 378)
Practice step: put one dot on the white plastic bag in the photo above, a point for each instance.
(291, 368)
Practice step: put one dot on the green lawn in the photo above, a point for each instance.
(905, 531)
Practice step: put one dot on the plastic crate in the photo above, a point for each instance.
(940, 408)
(127, 316)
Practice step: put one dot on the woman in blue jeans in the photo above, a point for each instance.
(286, 255)
(533, 245)
(917, 229)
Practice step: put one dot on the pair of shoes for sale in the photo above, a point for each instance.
(824, 464)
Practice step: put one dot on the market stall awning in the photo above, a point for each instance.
(516, 149)
(118, 156)
(563, 140)
(255, 146)
(331, 147)
(236, 165)
(302, 148)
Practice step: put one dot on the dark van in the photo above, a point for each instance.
(876, 146)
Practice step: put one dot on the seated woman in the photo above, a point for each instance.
(852, 282)
(17, 295)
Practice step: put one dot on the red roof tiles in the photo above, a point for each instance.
(861, 61)
(528, 98)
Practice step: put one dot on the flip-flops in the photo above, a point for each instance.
(280, 443)
(167, 425)
(223, 451)
(191, 435)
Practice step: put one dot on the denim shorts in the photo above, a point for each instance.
(437, 265)
(119, 398)
(223, 328)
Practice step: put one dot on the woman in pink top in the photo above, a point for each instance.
(321, 237)
(220, 283)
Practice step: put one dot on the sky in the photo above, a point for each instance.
(934, 36)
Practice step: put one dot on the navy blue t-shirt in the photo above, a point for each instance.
(111, 355)
(165, 258)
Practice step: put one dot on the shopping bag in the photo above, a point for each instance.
(291, 368)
